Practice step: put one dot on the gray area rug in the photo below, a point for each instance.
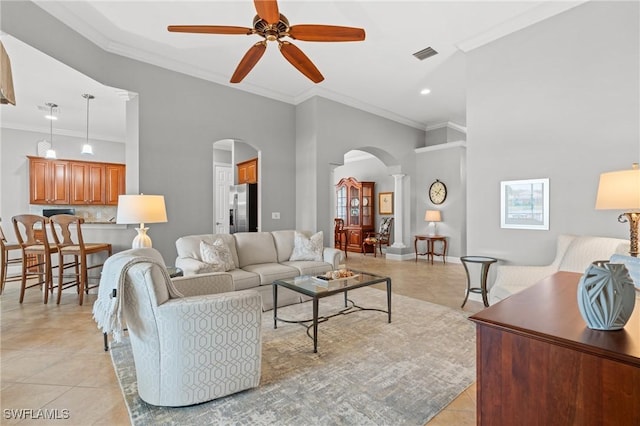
(366, 371)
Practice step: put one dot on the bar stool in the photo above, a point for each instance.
(6, 260)
(486, 262)
(62, 229)
(26, 226)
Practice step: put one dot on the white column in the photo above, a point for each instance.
(398, 202)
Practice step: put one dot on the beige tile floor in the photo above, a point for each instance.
(51, 356)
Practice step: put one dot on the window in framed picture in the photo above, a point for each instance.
(385, 203)
(524, 204)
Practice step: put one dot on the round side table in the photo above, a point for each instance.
(486, 263)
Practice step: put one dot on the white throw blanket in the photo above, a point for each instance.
(107, 310)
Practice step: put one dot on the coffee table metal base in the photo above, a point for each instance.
(315, 320)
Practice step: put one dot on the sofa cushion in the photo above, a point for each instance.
(307, 248)
(189, 246)
(284, 244)
(243, 280)
(269, 272)
(255, 248)
(309, 267)
(218, 255)
(584, 250)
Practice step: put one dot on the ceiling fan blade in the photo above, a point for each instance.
(300, 61)
(249, 60)
(268, 10)
(209, 29)
(309, 32)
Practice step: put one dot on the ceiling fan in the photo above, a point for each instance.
(273, 26)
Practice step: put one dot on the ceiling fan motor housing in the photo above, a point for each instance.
(271, 32)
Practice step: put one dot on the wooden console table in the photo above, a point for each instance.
(539, 364)
(431, 250)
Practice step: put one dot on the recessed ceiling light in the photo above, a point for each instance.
(425, 91)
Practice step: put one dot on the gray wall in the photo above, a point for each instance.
(326, 130)
(557, 100)
(447, 165)
(179, 117)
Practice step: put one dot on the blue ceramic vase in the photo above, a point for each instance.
(606, 296)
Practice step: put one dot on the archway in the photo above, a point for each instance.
(372, 164)
(227, 154)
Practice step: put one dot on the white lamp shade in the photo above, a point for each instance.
(87, 149)
(51, 154)
(619, 190)
(432, 216)
(141, 209)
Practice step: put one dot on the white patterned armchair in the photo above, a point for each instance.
(201, 345)
(573, 253)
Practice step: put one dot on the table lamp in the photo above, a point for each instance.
(432, 216)
(141, 209)
(621, 191)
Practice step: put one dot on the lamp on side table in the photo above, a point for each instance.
(141, 209)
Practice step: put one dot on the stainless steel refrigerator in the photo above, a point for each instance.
(243, 208)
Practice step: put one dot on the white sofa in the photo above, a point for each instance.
(259, 258)
(573, 254)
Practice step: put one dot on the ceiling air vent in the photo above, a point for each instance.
(425, 53)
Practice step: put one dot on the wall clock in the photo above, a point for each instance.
(437, 192)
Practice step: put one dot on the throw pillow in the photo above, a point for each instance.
(218, 255)
(307, 248)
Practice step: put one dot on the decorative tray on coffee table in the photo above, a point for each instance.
(325, 280)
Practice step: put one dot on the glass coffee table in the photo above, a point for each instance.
(317, 289)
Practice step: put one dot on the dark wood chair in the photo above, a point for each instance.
(6, 260)
(36, 253)
(380, 238)
(67, 232)
(340, 234)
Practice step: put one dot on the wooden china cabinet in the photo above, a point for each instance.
(355, 204)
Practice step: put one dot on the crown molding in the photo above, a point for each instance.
(59, 132)
(441, 146)
(449, 125)
(528, 18)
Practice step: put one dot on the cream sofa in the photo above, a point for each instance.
(260, 258)
(573, 254)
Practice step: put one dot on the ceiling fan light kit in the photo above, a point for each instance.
(273, 26)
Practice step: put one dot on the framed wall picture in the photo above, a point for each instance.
(524, 204)
(385, 203)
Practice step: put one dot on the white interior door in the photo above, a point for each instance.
(224, 179)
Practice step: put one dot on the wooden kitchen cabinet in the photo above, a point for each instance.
(48, 181)
(355, 205)
(87, 183)
(114, 183)
(248, 171)
(71, 182)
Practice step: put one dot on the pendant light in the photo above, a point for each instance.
(51, 153)
(87, 149)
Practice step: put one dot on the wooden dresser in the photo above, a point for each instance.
(539, 364)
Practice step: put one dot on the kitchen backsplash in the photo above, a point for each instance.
(91, 214)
